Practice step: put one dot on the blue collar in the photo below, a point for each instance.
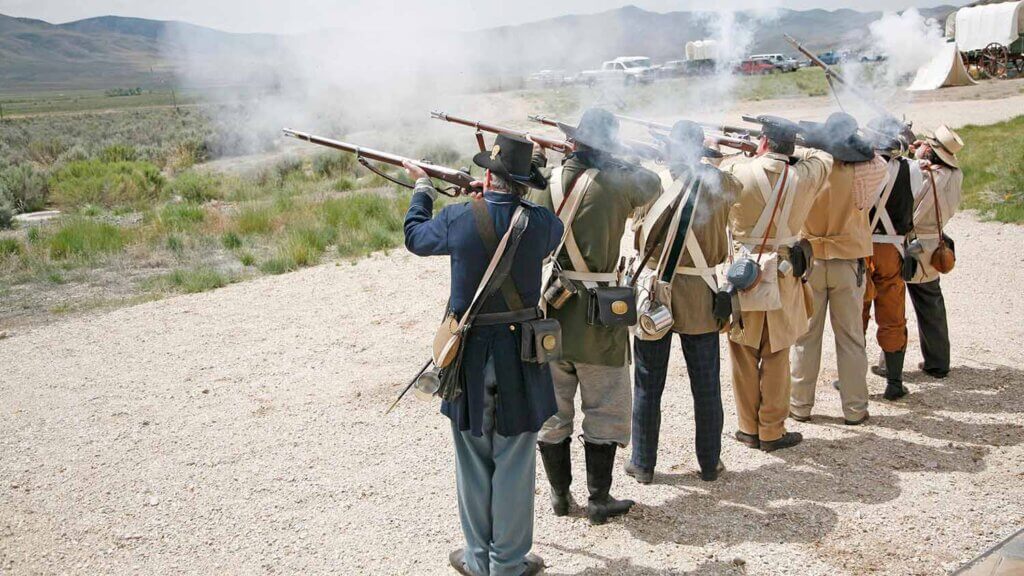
(500, 198)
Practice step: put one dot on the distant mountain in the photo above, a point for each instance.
(116, 51)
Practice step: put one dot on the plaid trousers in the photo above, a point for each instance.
(703, 365)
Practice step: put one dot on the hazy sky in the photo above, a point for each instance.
(303, 15)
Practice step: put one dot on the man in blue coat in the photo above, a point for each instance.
(505, 400)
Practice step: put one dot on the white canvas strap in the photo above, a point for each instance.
(567, 209)
(881, 214)
(700, 264)
(783, 236)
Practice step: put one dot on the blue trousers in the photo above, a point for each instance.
(651, 368)
(495, 477)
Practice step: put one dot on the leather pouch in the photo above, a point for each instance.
(541, 341)
(612, 306)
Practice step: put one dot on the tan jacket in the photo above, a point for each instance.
(949, 183)
(692, 297)
(838, 226)
(790, 322)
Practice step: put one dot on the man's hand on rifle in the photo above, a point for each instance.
(414, 171)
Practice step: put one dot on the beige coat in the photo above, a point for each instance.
(692, 298)
(837, 225)
(788, 323)
(949, 183)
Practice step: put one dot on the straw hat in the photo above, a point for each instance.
(946, 144)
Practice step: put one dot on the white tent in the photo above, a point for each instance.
(702, 50)
(946, 69)
(978, 26)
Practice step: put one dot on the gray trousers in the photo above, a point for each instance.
(930, 308)
(495, 478)
(606, 399)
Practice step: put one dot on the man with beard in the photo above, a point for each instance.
(505, 399)
(594, 194)
(690, 220)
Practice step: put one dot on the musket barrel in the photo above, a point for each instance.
(450, 175)
(724, 128)
(562, 146)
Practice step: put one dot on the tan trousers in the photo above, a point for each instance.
(834, 283)
(760, 381)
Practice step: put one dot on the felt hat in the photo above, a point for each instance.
(946, 143)
(597, 129)
(839, 137)
(687, 136)
(511, 157)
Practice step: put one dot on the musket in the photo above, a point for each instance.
(637, 147)
(561, 146)
(460, 180)
(831, 75)
(721, 128)
(744, 144)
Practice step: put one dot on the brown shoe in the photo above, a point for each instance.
(457, 559)
(800, 418)
(787, 440)
(857, 422)
(751, 440)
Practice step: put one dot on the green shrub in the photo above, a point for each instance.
(365, 222)
(119, 153)
(175, 244)
(343, 185)
(6, 215)
(195, 187)
(23, 188)
(106, 184)
(83, 238)
(194, 280)
(33, 236)
(440, 153)
(247, 259)
(10, 247)
(231, 241)
(46, 151)
(255, 220)
(187, 154)
(332, 164)
(181, 217)
(300, 247)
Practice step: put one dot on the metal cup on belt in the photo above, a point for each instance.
(427, 384)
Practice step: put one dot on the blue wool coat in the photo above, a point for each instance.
(526, 397)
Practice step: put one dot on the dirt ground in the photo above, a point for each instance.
(241, 431)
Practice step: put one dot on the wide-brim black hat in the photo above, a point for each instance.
(597, 129)
(777, 129)
(511, 157)
(839, 137)
(688, 135)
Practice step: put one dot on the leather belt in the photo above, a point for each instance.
(513, 317)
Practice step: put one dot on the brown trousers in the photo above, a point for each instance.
(760, 381)
(889, 297)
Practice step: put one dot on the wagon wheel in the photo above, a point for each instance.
(994, 60)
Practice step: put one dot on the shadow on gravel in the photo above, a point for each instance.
(758, 505)
(996, 390)
(626, 567)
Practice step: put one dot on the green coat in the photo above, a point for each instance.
(600, 223)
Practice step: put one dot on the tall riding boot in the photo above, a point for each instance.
(600, 462)
(894, 389)
(558, 466)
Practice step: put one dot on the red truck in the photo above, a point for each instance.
(756, 66)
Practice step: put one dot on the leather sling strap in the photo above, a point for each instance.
(573, 199)
(686, 212)
(485, 227)
(938, 213)
(656, 237)
(771, 220)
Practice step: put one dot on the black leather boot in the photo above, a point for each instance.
(894, 388)
(600, 463)
(558, 466)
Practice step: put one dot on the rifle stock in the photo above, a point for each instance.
(561, 146)
(460, 179)
(642, 149)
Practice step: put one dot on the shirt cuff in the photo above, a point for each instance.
(427, 187)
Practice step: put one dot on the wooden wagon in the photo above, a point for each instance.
(990, 36)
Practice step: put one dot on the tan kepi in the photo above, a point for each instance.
(651, 289)
(765, 296)
(947, 144)
(882, 215)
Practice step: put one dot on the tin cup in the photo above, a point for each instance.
(559, 292)
(656, 319)
(427, 384)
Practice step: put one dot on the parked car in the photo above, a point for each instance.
(548, 77)
(672, 69)
(833, 57)
(752, 67)
(628, 70)
(781, 61)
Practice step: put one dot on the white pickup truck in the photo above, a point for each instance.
(628, 70)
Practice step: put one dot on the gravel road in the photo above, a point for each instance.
(241, 432)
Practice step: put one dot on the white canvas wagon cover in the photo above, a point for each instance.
(979, 26)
